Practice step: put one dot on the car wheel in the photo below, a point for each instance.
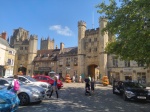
(125, 97)
(24, 99)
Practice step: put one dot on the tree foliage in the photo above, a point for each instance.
(130, 22)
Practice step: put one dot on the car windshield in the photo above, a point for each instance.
(31, 79)
(133, 85)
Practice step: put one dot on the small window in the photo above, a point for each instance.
(21, 48)
(95, 49)
(26, 48)
(89, 40)
(95, 39)
(89, 50)
(10, 52)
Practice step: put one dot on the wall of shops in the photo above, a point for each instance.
(137, 74)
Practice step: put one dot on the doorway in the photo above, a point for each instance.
(92, 71)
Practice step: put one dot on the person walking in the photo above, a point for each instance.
(73, 78)
(54, 88)
(15, 84)
(92, 85)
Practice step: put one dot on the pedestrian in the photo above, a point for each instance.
(54, 88)
(80, 78)
(87, 81)
(92, 85)
(73, 78)
(89, 77)
(15, 84)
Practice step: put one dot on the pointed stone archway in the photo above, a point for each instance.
(23, 70)
(93, 71)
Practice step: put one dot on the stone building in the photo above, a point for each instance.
(89, 58)
(47, 44)
(62, 61)
(93, 61)
(26, 50)
(7, 57)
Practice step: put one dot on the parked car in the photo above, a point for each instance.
(48, 79)
(31, 81)
(9, 101)
(27, 93)
(131, 90)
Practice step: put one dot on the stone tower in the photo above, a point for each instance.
(32, 51)
(103, 42)
(81, 55)
(47, 44)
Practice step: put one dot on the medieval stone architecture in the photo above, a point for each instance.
(26, 47)
(89, 58)
(93, 61)
(47, 44)
(62, 61)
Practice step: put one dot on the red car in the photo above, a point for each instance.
(48, 79)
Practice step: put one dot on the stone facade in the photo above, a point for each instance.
(93, 61)
(26, 50)
(89, 58)
(47, 44)
(91, 44)
(62, 61)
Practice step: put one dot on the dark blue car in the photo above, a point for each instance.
(9, 101)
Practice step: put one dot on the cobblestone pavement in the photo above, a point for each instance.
(72, 99)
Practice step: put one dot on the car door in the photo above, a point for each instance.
(45, 79)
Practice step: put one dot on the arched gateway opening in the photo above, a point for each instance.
(22, 71)
(93, 71)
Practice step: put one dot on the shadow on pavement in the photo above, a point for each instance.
(73, 99)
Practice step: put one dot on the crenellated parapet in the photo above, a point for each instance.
(81, 23)
(33, 37)
(91, 32)
(103, 18)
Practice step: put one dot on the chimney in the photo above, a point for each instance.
(61, 46)
(3, 35)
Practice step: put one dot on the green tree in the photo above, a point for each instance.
(130, 22)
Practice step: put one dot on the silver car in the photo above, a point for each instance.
(26, 93)
(31, 81)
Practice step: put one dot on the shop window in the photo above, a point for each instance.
(21, 48)
(141, 76)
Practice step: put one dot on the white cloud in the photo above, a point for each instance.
(62, 31)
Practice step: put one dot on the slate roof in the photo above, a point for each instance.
(4, 42)
(45, 55)
(70, 51)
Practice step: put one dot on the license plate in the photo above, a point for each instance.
(141, 97)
